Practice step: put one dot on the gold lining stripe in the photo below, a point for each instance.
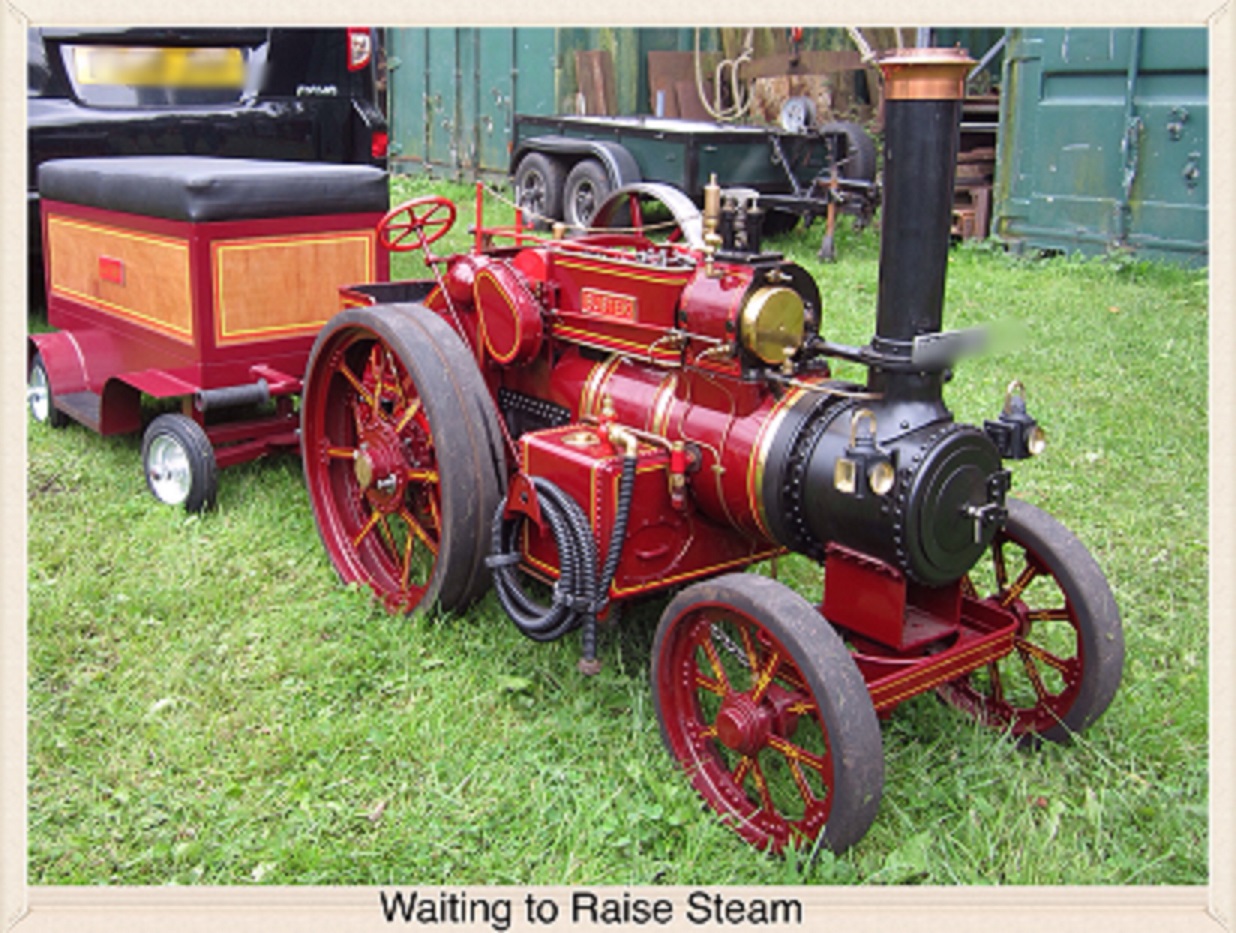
(932, 675)
(514, 315)
(757, 462)
(679, 278)
(57, 223)
(221, 249)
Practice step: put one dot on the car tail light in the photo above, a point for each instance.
(378, 144)
(360, 48)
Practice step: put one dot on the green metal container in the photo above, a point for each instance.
(1103, 143)
(453, 92)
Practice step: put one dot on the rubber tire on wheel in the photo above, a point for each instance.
(812, 668)
(179, 462)
(586, 187)
(39, 397)
(1075, 592)
(538, 188)
(860, 160)
(433, 427)
(777, 222)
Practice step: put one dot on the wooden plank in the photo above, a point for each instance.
(285, 286)
(690, 107)
(594, 71)
(127, 273)
(811, 62)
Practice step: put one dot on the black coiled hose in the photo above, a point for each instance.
(579, 596)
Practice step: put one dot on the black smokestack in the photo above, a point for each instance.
(923, 92)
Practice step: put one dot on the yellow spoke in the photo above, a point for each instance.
(433, 513)
(744, 767)
(710, 685)
(1039, 654)
(380, 377)
(1033, 673)
(800, 779)
(1002, 573)
(368, 527)
(752, 658)
(1023, 580)
(761, 784)
(356, 384)
(417, 530)
(408, 415)
(407, 561)
(967, 587)
(711, 650)
(1049, 615)
(797, 754)
(341, 453)
(766, 677)
(423, 476)
(997, 686)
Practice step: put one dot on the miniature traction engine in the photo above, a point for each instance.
(585, 420)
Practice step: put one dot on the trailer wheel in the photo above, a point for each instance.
(538, 189)
(402, 456)
(859, 163)
(586, 187)
(39, 397)
(179, 462)
(761, 703)
(1068, 652)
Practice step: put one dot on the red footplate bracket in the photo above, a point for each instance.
(907, 639)
(985, 635)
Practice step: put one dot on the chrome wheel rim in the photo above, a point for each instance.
(168, 470)
(38, 394)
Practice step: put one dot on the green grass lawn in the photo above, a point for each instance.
(208, 704)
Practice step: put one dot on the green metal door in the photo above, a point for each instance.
(454, 91)
(1103, 142)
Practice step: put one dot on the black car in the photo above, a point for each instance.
(292, 94)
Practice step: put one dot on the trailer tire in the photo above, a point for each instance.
(403, 456)
(179, 462)
(39, 397)
(860, 161)
(587, 186)
(538, 189)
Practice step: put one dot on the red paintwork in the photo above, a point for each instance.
(204, 362)
(664, 546)
(607, 348)
(112, 352)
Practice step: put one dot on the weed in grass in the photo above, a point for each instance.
(209, 705)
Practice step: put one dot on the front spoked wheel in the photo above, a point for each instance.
(761, 703)
(402, 456)
(1068, 654)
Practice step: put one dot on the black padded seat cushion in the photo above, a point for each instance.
(201, 189)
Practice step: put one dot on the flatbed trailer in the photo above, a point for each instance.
(564, 166)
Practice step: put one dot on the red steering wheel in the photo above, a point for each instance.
(417, 223)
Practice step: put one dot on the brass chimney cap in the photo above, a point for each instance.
(925, 74)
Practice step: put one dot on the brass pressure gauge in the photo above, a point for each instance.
(773, 323)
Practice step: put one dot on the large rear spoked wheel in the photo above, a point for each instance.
(760, 701)
(1068, 654)
(402, 455)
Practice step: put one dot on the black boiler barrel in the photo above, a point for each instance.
(923, 93)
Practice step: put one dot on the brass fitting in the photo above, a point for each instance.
(712, 218)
